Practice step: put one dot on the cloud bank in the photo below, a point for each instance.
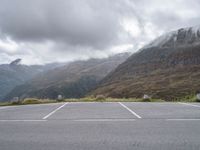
(43, 31)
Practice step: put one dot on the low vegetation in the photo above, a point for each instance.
(28, 101)
(98, 98)
(189, 98)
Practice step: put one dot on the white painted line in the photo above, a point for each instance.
(183, 119)
(3, 108)
(131, 111)
(189, 104)
(22, 120)
(51, 113)
(104, 120)
(7, 107)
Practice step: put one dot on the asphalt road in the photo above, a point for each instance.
(101, 126)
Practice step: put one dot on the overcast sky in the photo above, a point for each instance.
(43, 31)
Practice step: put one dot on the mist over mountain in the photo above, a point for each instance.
(73, 80)
(166, 68)
(14, 74)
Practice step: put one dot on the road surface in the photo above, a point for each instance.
(101, 126)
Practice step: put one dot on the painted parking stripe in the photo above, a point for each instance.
(104, 120)
(131, 111)
(182, 119)
(189, 104)
(51, 113)
(5, 107)
(22, 120)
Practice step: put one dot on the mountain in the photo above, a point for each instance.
(167, 68)
(73, 80)
(14, 74)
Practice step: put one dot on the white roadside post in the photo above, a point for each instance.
(60, 97)
(146, 96)
(198, 96)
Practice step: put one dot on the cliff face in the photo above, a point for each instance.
(166, 68)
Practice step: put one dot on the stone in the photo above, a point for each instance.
(60, 97)
(146, 96)
(198, 96)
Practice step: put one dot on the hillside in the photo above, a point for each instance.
(14, 74)
(166, 68)
(73, 80)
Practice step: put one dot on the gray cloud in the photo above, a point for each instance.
(85, 22)
(76, 29)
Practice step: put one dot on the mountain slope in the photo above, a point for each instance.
(72, 81)
(14, 74)
(166, 68)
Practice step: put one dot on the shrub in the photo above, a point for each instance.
(87, 99)
(100, 98)
(16, 102)
(31, 101)
(197, 100)
(146, 100)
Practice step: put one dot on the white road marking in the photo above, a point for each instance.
(131, 111)
(183, 119)
(7, 107)
(51, 113)
(104, 120)
(22, 120)
(91, 102)
(3, 108)
(189, 104)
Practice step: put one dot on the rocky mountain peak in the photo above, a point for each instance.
(179, 38)
(16, 62)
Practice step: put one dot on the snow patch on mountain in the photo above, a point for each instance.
(181, 37)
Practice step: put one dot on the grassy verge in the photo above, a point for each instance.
(188, 99)
(29, 101)
(90, 99)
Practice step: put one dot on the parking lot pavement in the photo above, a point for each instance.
(26, 112)
(102, 111)
(90, 110)
(101, 126)
(166, 110)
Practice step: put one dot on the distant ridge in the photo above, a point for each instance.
(73, 80)
(14, 74)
